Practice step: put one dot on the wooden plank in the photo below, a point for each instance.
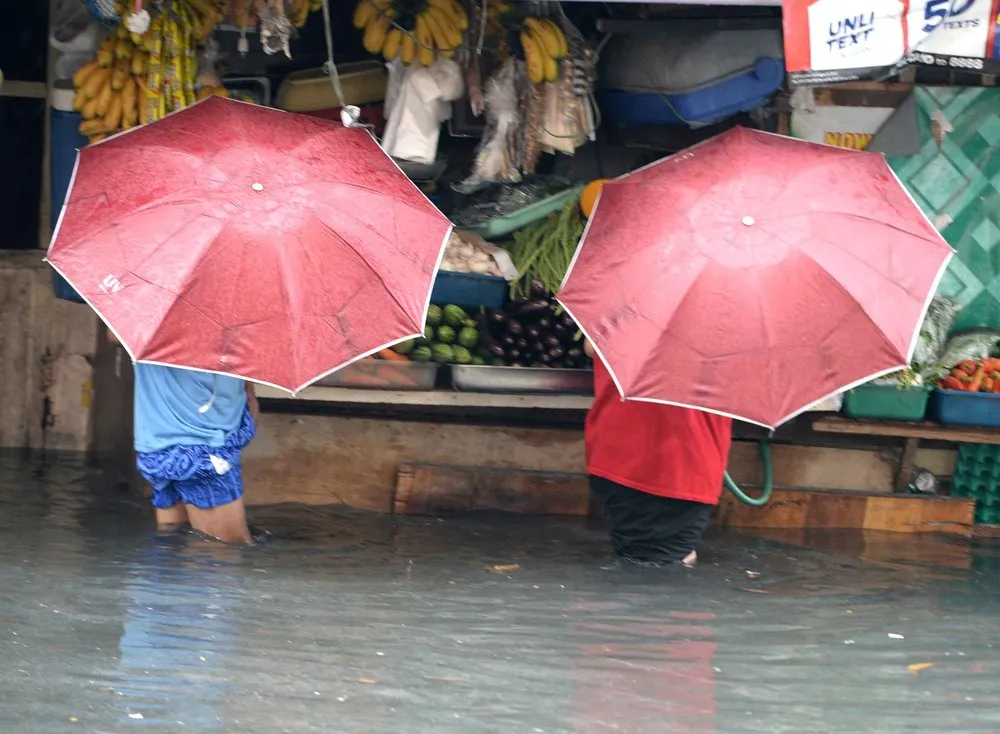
(829, 510)
(928, 431)
(429, 489)
(431, 397)
(423, 489)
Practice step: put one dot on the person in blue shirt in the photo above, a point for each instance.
(190, 428)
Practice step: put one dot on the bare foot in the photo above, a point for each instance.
(691, 559)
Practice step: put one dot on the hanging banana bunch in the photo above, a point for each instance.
(415, 31)
(544, 44)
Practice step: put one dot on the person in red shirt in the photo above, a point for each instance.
(657, 470)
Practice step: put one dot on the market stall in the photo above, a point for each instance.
(508, 116)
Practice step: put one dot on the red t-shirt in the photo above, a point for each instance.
(659, 449)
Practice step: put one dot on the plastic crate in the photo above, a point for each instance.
(957, 408)
(886, 402)
(469, 290)
(711, 104)
(977, 477)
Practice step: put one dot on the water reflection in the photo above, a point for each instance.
(361, 624)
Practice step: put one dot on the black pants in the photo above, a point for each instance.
(646, 528)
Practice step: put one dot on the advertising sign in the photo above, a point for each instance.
(830, 41)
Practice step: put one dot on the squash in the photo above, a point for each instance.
(589, 196)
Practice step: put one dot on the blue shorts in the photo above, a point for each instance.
(201, 476)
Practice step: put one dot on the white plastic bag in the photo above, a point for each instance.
(417, 102)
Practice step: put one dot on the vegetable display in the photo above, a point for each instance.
(532, 332)
(979, 375)
(543, 251)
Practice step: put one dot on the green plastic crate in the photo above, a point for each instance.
(886, 402)
(977, 476)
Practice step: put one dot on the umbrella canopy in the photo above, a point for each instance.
(248, 241)
(754, 275)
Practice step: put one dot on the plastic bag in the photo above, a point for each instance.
(934, 332)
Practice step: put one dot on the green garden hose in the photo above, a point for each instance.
(768, 487)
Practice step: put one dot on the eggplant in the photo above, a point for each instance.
(561, 332)
(537, 289)
(486, 338)
(535, 348)
(513, 354)
(557, 353)
(552, 341)
(545, 323)
(497, 316)
(531, 309)
(568, 322)
(522, 344)
(508, 340)
(569, 363)
(514, 327)
(519, 363)
(574, 353)
(532, 332)
(545, 357)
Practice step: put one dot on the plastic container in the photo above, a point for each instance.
(66, 141)
(500, 226)
(957, 408)
(886, 402)
(705, 106)
(469, 290)
(311, 90)
(375, 374)
(527, 380)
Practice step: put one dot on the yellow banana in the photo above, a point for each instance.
(544, 34)
(221, 92)
(79, 100)
(138, 64)
(426, 56)
(205, 92)
(409, 52)
(551, 68)
(130, 110)
(560, 37)
(424, 38)
(364, 13)
(89, 110)
(103, 100)
(113, 117)
(95, 81)
(106, 53)
(440, 37)
(119, 74)
(80, 77)
(453, 10)
(393, 41)
(533, 57)
(452, 36)
(375, 33)
(123, 49)
(91, 127)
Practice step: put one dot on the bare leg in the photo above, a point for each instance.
(227, 522)
(691, 559)
(172, 517)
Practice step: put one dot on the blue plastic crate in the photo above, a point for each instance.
(957, 408)
(469, 290)
(740, 93)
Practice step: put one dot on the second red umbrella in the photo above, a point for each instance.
(754, 275)
(244, 240)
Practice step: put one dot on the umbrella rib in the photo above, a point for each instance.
(368, 265)
(869, 220)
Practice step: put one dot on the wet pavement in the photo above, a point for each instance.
(352, 623)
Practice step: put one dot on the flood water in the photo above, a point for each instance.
(360, 624)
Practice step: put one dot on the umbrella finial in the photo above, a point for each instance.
(749, 221)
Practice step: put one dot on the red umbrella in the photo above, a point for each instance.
(247, 241)
(754, 275)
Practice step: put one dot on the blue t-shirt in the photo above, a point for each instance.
(170, 407)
